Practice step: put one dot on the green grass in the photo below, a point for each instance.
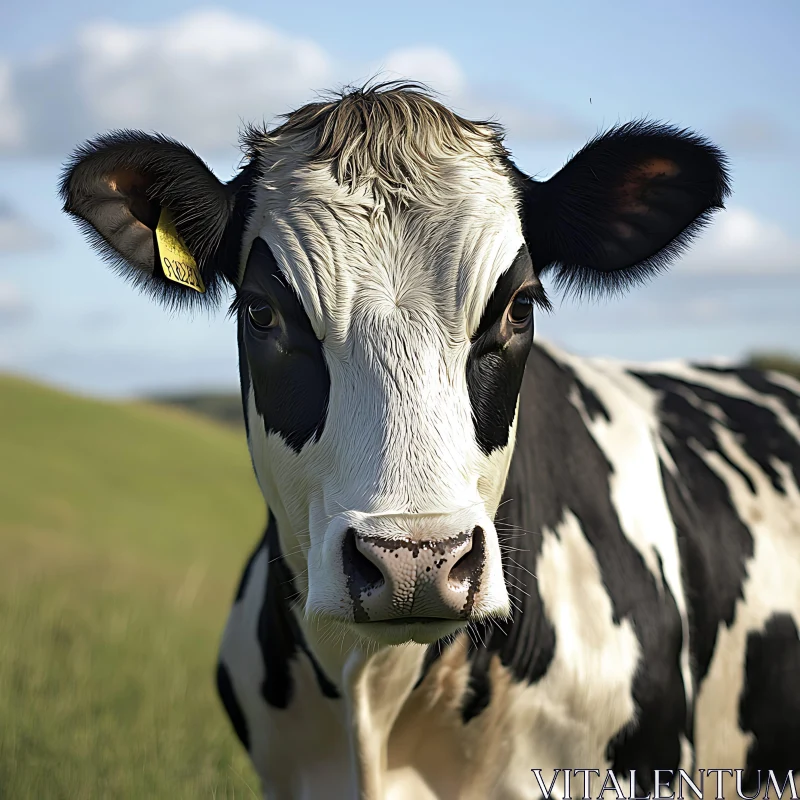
(123, 530)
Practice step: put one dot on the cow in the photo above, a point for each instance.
(487, 562)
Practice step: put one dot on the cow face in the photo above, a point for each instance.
(386, 257)
(382, 341)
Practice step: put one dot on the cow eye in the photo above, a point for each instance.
(521, 309)
(262, 316)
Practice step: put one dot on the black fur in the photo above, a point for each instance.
(241, 193)
(591, 402)
(244, 372)
(764, 383)
(558, 467)
(567, 471)
(245, 578)
(571, 222)
(758, 429)
(716, 546)
(242, 188)
(769, 707)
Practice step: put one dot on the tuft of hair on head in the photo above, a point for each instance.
(392, 133)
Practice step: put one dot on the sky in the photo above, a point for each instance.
(553, 73)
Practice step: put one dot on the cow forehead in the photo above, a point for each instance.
(356, 253)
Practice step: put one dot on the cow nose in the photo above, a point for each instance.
(394, 578)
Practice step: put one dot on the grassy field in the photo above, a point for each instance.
(123, 529)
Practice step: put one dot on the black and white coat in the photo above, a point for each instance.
(483, 556)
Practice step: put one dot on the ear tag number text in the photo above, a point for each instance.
(176, 260)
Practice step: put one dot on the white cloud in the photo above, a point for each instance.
(194, 78)
(442, 73)
(739, 242)
(17, 234)
(13, 306)
(431, 65)
(10, 297)
(198, 76)
(10, 116)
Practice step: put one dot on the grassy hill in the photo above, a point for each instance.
(123, 529)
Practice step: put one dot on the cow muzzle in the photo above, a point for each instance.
(406, 579)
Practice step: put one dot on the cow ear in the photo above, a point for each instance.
(623, 207)
(153, 209)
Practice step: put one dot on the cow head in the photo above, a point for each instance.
(386, 257)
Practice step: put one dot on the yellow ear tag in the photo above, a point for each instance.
(176, 261)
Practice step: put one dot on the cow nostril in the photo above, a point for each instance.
(469, 566)
(357, 565)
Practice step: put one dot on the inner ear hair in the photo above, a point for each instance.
(134, 187)
(632, 194)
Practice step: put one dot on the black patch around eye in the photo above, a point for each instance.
(497, 359)
(519, 273)
(287, 368)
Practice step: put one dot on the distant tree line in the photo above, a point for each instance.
(225, 407)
